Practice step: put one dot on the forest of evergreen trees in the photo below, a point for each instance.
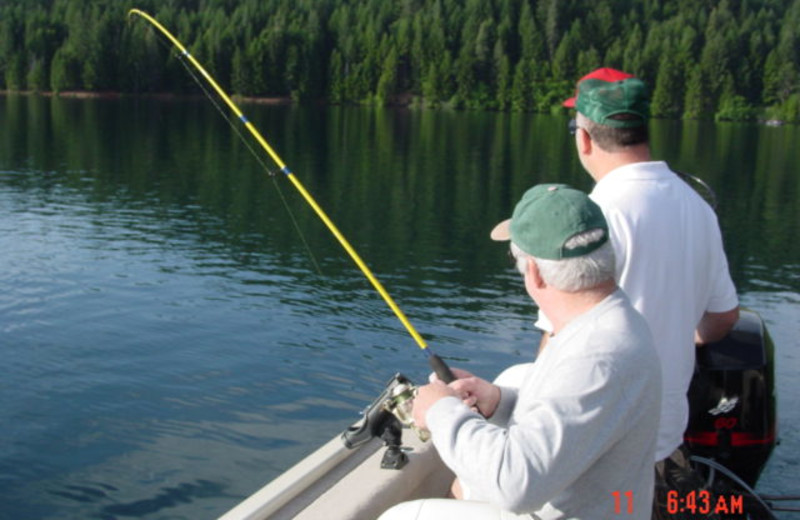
(727, 59)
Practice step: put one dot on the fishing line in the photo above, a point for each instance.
(271, 174)
(439, 366)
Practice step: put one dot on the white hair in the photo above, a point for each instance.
(574, 274)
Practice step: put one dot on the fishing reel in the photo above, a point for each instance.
(385, 418)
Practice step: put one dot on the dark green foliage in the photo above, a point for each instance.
(697, 102)
(668, 96)
(727, 59)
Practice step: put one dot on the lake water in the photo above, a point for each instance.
(178, 327)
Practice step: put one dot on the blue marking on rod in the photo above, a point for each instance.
(286, 170)
(243, 119)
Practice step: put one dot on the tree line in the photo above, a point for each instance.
(727, 59)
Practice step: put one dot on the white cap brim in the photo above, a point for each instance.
(502, 231)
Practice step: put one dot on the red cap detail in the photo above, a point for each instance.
(604, 74)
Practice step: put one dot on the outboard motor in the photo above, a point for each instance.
(732, 417)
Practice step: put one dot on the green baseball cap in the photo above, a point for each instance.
(601, 100)
(547, 216)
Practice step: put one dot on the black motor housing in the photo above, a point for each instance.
(732, 417)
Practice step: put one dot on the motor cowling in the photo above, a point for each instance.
(732, 412)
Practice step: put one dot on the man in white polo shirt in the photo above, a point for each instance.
(668, 246)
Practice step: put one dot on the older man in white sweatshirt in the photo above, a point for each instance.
(576, 438)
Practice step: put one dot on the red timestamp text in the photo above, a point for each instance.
(619, 499)
(703, 502)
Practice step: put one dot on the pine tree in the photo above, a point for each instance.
(465, 78)
(64, 70)
(240, 74)
(564, 62)
(732, 106)
(15, 72)
(37, 79)
(588, 60)
(522, 88)
(615, 55)
(336, 74)
(387, 82)
(668, 94)
(503, 78)
(697, 101)
(632, 56)
(532, 41)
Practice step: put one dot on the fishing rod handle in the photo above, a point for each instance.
(444, 373)
(441, 369)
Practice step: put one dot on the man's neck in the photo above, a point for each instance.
(562, 307)
(607, 162)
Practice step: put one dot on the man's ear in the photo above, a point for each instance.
(584, 141)
(534, 277)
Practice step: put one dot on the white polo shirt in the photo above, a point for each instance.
(671, 263)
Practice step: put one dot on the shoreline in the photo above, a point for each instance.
(401, 100)
(86, 94)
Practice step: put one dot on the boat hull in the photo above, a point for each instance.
(336, 483)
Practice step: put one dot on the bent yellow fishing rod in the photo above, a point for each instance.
(438, 365)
